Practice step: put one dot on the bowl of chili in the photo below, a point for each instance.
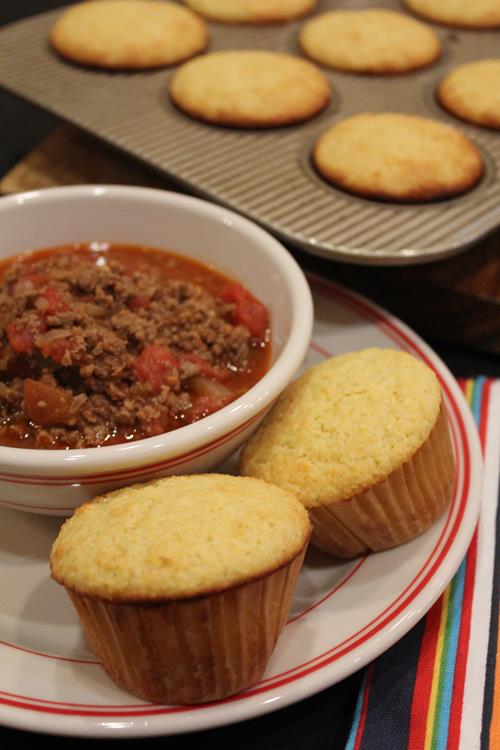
(143, 334)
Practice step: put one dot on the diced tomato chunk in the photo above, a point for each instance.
(152, 364)
(138, 302)
(20, 339)
(45, 404)
(248, 311)
(58, 349)
(55, 301)
(206, 368)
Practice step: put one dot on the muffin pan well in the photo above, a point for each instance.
(266, 174)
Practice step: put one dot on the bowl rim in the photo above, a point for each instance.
(221, 423)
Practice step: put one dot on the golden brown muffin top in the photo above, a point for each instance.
(179, 537)
(399, 157)
(473, 14)
(472, 92)
(345, 425)
(252, 11)
(250, 88)
(372, 40)
(123, 34)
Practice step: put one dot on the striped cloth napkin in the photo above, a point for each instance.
(438, 688)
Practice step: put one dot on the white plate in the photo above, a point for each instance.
(344, 613)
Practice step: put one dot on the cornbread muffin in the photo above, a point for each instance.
(397, 157)
(183, 585)
(252, 11)
(250, 88)
(369, 41)
(472, 92)
(362, 439)
(128, 34)
(472, 14)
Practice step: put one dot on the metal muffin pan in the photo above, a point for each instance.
(267, 175)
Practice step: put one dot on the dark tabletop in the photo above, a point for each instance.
(321, 722)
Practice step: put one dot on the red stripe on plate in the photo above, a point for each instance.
(79, 705)
(46, 656)
(329, 595)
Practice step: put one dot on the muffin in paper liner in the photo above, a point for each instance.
(191, 651)
(396, 510)
(363, 440)
(183, 585)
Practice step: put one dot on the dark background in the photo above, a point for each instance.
(321, 722)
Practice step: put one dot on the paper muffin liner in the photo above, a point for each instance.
(194, 650)
(395, 510)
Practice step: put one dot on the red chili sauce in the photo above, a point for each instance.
(104, 343)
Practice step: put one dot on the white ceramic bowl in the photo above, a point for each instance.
(57, 481)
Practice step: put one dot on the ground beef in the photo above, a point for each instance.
(99, 348)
